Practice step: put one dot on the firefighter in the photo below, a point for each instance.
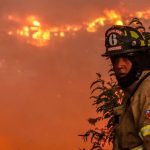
(127, 49)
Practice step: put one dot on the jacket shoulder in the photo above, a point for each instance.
(144, 87)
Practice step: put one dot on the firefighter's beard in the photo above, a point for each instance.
(130, 78)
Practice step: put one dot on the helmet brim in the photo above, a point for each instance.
(125, 52)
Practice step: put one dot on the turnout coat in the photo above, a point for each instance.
(133, 130)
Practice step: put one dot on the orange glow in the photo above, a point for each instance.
(13, 18)
(31, 20)
(33, 31)
(92, 26)
(62, 34)
(110, 16)
(143, 14)
(10, 33)
(119, 22)
(76, 29)
(5, 143)
(36, 34)
(36, 23)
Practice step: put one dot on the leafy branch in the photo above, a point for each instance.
(105, 96)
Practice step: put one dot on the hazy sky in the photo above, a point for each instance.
(44, 92)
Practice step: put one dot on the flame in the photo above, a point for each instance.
(119, 22)
(34, 32)
(32, 20)
(36, 23)
(110, 16)
(62, 34)
(143, 14)
(92, 26)
(38, 35)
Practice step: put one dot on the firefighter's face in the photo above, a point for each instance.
(122, 66)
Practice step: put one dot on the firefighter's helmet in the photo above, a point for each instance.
(123, 40)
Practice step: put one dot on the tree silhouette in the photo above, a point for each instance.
(105, 96)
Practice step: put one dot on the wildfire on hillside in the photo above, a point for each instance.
(34, 32)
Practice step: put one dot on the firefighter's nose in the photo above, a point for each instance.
(119, 63)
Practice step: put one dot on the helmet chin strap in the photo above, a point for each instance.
(131, 77)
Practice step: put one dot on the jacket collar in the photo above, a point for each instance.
(130, 89)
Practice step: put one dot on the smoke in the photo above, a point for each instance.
(45, 90)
